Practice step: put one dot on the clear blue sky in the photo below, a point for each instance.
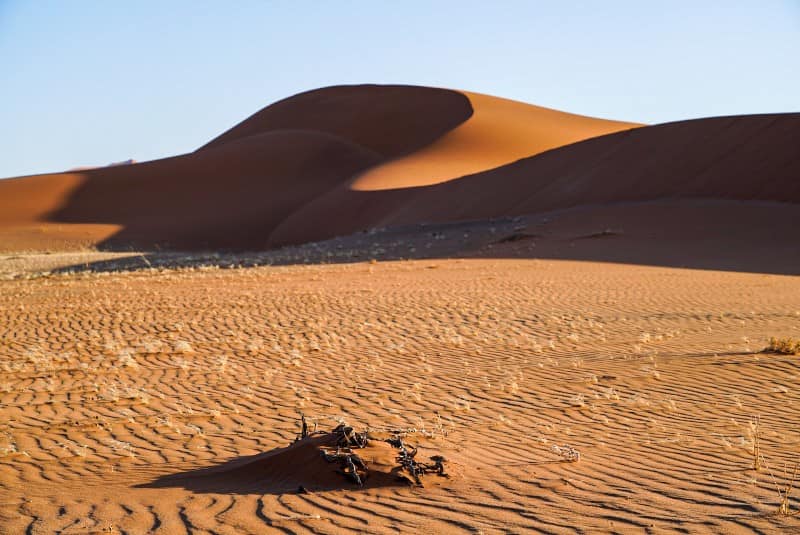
(92, 82)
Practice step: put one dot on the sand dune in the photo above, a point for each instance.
(344, 159)
(229, 196)
(236, 190)
(498, 132)
(734, 158)
(390, 120)
(25, 206)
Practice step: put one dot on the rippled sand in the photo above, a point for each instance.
(118, 390)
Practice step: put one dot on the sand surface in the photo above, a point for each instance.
(131, 401)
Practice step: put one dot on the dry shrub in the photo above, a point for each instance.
(786, 346)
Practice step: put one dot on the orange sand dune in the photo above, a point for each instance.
(343, 159)
(463, 132)
(390, 120)
(24, 207)
(30, 199)
(230, 196)
(735, 158)
(499, 132)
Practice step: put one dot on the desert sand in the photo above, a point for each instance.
(500, 283)
(145, 401)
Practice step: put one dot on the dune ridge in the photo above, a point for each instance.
(499, 132)
(343, 159)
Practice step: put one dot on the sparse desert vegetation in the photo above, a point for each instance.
(786, 346)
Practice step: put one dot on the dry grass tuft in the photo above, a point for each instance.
(786, 346)
(785, 491)
(755, 431)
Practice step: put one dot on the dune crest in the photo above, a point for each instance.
(499, 132)
(391, 120)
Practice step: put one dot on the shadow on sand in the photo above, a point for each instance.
(753, 237)
(298, 467)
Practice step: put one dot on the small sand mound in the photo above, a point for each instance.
(341, 459)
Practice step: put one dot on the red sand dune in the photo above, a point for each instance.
(342, 159)
(735, 158)
(499, 132)
(390, 120)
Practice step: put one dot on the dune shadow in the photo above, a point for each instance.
(737, 236)
(296, 468)
(216, 479)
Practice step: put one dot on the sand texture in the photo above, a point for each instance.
(136, 402)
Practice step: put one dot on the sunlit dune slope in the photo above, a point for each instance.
(30, 199)
(499, 132)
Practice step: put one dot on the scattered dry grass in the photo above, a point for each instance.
(755, 430)
(785, 491)
(786, 346)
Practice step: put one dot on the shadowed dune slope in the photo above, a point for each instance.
(230, 196)
(391, 120)
(343, 159)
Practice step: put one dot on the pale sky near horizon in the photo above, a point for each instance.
(94, 82)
